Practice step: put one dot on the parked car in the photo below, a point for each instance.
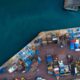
(40, 78)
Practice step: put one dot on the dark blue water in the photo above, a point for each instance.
(21, 20)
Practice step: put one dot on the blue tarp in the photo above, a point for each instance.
(28, 62)
(49, 59)
(37, 52)
(2, 70)
(72, 46)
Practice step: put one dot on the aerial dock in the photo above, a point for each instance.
(52, 55)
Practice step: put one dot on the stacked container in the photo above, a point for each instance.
(38, 42)
(44, 41)
(33, 47)
(72, 44)
(49, 38)
(77, 45)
